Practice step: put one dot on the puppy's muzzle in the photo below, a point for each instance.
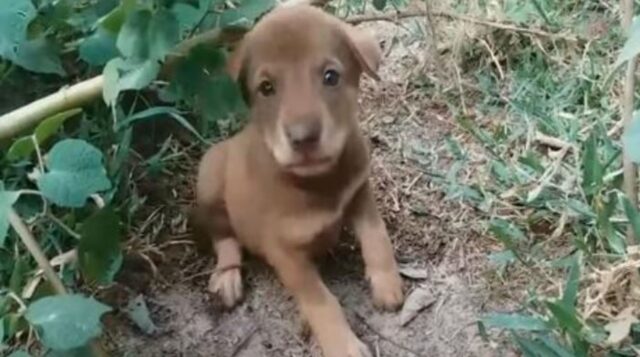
(304, 137)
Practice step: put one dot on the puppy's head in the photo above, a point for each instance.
(299, 69)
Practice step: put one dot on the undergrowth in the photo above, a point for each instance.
(546, 115)
(544, 109)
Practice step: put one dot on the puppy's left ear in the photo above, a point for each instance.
(366, 49)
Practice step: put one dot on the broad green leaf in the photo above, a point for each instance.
(631, 47)
(24, 147)
(515, 321)
(15, 16)
(38, 55)
(7, 199)
(66, 322)
(75, 172)
(138, 312)
(120, 75)
(631, 138)
(19, 353)
(221, 97)
(592, 170)
(164, 34)
(112, 22)
(189, 16)
(85, 351)
(243, 15)
(99, 252)
(570, 295)
(632, 215)
(99, 48)
(138, 76)
(379, 4)
(566, 318)
(133, 39)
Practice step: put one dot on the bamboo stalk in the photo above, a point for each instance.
(629, 168)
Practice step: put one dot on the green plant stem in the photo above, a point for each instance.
(34, 249)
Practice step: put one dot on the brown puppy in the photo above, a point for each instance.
(285, 185)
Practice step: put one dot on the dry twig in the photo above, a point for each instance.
(630, 169)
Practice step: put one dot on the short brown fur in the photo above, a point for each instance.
(287, 203)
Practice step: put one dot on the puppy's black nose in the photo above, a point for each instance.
(304, 136)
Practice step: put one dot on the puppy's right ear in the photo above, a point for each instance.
(237, 68)
(236, 61)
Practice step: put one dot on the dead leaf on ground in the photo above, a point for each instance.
(620, 326)
(413, 272)
(418, 300)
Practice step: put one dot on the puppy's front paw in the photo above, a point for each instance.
(227, 284)
(386, 287)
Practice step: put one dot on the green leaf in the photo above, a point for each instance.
(631, 47)
(592, 171)
(99, 252)
(66, 322)
(631, 138)
(379, 4)
(148, 36)
(506, 232)
(567, 318)
(515, 321)
(120, 75)
(138, 312)
(2, 333)
(503, 258)
(75, 172)
(632, 214)
(133, 39)
(570, 295)
(21, 268)
(533, 348)
(154, 111)
(15, 16)
(24, 147)
(220, 97)
(98, 48)
(19, 353)
(85, 351)
(38, 55)
(164, 34)
(112, 22)
(7, 199)
(245, 14)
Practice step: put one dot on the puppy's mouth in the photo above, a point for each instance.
(310, 162)
(310, 166)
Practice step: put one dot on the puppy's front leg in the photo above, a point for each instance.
(226, 280)
(318, 306)
(377, 251)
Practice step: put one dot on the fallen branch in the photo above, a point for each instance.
(551, 141)
(76, 95)
(86, 91)
(499, 25)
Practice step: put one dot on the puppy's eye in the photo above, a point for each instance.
(266, 88)
(331, 78)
